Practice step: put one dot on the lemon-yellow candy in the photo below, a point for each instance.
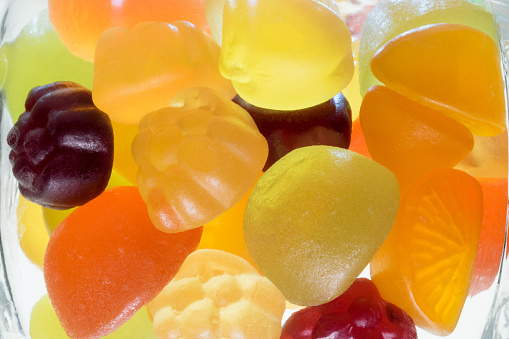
(216, 294)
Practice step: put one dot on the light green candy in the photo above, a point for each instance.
(38, 57)
(44, 324)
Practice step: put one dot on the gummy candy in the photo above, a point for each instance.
(106, 260)
(216, 294)
(313, 204)
(123, 161)
(44, 324)
(408, 138)
(360, 312)
(454, 69)
(329, 123)
(358, 141)
(286, 54)
(196, 159)
(390, 18)
(426, 263)
(29, 61)
(32, 235)
(81, 23)
(62, 147)
(352, 91)
(139, 71)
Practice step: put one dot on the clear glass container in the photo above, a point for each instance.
(485, 315)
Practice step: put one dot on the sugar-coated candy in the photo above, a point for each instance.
(106, 260)
(390, 18)
(38, 57)
(454, 69)
(329, 123)
(32, 235)
(316, 218)
(426, 263)
(287, 54)
(80, 23)
(360, 313)
(196, 159)
(216, 294)
(62, 146)
(44, 324)
(408, 138)
(138, 71)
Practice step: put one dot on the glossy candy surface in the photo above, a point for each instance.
(287, 54)
(329, 123)
(426, 263)
(216, 294)
(196, 159)
(138, 71)
(62, 146)
(106, 260)
(408, 138)
(312, 203)
(454, 69)
(360, 313)
(81, 23)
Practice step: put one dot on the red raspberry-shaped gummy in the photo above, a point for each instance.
(62, 146)
(329, 123)
(359, 313)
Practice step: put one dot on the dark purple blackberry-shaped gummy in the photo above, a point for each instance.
(329, 123)
(62, 146)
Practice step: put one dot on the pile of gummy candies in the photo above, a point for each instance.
(199, 167)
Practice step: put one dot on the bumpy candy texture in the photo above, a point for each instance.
(329, 123)
(328, 210)
(216, 294)
(360, 313)
(106, 260)
(80, 23)
(196, 159)
(408, 138)
(138, 71)
(287, 54)
(454, 69)
(62, 146)
(390, 18)
(426, 263)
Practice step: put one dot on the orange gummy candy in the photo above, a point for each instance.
(426, 263)
(106, 260)
(452, 68)
(80, 23)
(408, 138)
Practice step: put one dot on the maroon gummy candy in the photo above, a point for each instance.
(62, 146)
(329, 123)
(359, 313)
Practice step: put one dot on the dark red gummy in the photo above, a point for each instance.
(359, 313)
(62, 146)
(329, 123)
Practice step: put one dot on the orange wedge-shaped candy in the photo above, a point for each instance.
(452, 68)
(426, 263)
(408, 138)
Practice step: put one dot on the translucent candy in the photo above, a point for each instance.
(286, 54)
(390, 18)
(313, 203)
(454, 69)
(32, 235)
(196, 159)
(216, 294)
(138, 71)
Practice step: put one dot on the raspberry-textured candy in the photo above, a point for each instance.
(106, 260)
(196, 159)
(359, 313)
(286, 54)
(216, 294)
(329, 123)
(316, 218)
(80, 23)
(62, 146)
(138, 71)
